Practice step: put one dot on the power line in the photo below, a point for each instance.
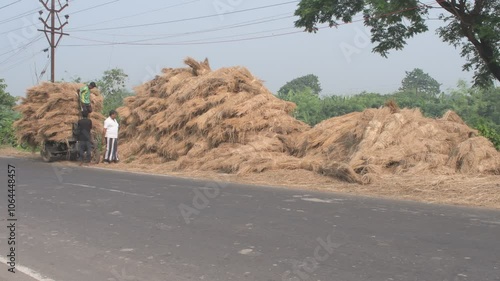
(190, 19)
(97, 6)
(10, 4)
(16, 51)
(234, 25)
(137, 42)
(134, 15)
(19, 16)
(20, 62)
(79, 11)
(203, 31)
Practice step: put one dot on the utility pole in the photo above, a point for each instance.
(53, 30)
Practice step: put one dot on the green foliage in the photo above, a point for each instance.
(308, 105)
(7, 116)
(301, 84)
(420, 83)
(472, 25)
(112, 87)
(480, 108)
(489, 132)
(5, 98)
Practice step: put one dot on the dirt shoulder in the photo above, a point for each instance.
(465, 190)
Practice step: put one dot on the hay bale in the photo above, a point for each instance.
(49, 111)
(393, 106)
(222, 120)
(380, 142)
(225, 120)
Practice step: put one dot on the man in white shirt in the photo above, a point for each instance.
(111, 138)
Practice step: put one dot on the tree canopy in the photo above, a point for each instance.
(472, 26)
(112, 87)
(7, 115)
(5, 98)
(301, 84)
(419, 82)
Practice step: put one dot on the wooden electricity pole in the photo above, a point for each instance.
(51, 30)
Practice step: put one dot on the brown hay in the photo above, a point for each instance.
(49, 110)
(393, 106)
(382, 141)
(225, 120)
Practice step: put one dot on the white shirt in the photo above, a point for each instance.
(111, 127)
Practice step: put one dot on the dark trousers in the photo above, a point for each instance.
(111, 150)
(85, 147)
(86, 108)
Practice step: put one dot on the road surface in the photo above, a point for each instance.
(81, 224)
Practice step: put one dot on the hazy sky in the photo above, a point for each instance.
(261, 39)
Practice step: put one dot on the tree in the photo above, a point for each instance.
(300, 84)
(308, 106)
(7, 116)
(472, 25)
(419, 82)
(112, 87)
(112, 82)
(5, 98)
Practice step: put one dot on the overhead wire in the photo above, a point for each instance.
(8, 5)
(204, 31)
(189, 19)
(211, 40)
(134, 15)
(22, 48)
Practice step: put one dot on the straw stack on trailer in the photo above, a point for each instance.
(222, 120)
(362, 146)
(49, 111)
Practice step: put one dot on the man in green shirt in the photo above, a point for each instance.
(85, 97)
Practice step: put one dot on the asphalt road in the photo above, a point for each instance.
(81, 224)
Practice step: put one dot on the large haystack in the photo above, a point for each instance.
(226, 120)
(361, 146)
(50, 109)
(223, 120)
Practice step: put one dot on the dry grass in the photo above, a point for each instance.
(223, 120)
(226, 121)
(49, 111)
(13, 152)
(391, 141)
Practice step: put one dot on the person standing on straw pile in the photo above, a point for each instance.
(85, 97)
(84, 138)
(111, 138)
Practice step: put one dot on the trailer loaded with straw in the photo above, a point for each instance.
(50, 113)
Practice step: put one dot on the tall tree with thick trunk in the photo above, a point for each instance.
(472, 25)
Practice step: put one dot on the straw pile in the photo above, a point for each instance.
(362, 146)
(223, 120)
(49, 111)
(227, 121)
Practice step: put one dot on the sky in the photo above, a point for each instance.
(142, 37)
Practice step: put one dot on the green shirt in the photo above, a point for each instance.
(85, 95)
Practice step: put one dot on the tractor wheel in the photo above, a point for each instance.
(47, 155)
